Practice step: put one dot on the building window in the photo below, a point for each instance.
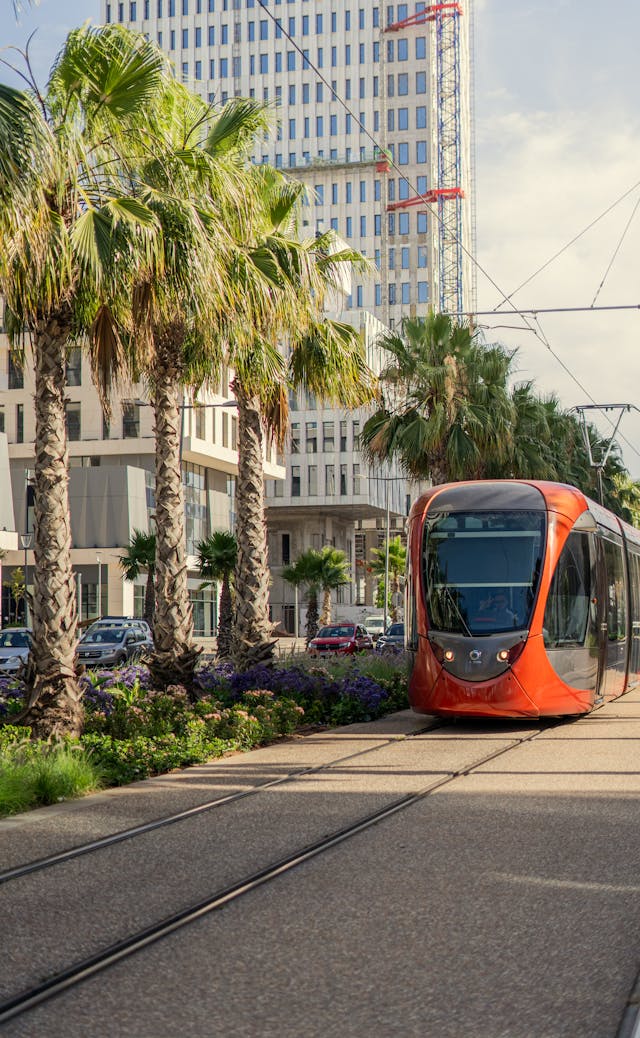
(200, 422)
(343, 436)
(421, 47)
(72, 417)
(328, 436)
(329, 480)
(74, 366)
(422, 255)
(421, 151)
(286, 549)
(19, 423)
(15, 371)
(423, 292)
(421, 82)
(421, 117)
(422, 223)
(356, 479)
(312, 437)
(130, 420)
(2, 428)
(295, 481)
(403, 223)
(343, 480)
(313, 480)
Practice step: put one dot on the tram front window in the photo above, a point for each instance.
(482, 570)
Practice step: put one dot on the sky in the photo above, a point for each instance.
(557, 113)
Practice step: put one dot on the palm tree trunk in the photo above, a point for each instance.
(225, 620)
(252, 640)
(54, 705)
(174, 658)
(326, 607)
(149, 598)
(311, 628)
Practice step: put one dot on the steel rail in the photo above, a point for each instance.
(80, 971)
(189, 812)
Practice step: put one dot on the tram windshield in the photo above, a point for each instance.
(482, 570)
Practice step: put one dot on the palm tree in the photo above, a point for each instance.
(217, 557)
(191, 183)
(333, 572)
(395, 570)
(284, 288)
(305, 573)
(65, 221)
(446, 412)
(140, 556)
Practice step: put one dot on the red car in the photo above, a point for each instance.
(340, 639)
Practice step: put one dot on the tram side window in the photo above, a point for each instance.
(634, 574)
(566, 616)
(411, 623)
(616, 597)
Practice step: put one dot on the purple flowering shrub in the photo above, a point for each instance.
(11, 698)
(134, 731)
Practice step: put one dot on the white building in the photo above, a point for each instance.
(330, 496)
(112, 480)
(378, 85)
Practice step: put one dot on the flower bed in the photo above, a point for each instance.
(133, 731)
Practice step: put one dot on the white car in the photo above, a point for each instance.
(374, 626)
(15, 645)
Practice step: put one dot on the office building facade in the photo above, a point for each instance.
(373, 111)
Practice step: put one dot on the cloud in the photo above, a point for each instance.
(543, 176)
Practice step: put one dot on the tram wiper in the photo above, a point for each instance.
(457, 609)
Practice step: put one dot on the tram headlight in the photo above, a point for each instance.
(449, 655)
(510, 655)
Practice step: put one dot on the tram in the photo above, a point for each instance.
(522, 600)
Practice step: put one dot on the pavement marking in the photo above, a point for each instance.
(567, 884)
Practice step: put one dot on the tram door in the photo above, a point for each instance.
(612, 617)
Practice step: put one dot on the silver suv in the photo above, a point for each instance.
(113, 646)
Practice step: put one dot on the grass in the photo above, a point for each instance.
(29, 780)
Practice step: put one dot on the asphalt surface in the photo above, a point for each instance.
(504, 904)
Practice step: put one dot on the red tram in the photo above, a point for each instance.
(523, 600)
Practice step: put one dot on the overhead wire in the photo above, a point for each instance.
(576, 237)
(616, 251)
(314, 68)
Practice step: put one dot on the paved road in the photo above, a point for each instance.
(502, 905)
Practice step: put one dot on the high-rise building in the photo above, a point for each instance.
(374, 112)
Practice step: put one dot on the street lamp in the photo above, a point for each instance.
(25, 542)
(99, 602)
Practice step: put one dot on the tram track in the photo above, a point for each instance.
(122, 835)
(81, 970)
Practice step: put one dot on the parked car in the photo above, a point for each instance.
(15, 646)
(374, 626)
(392, 640)
(122, 621)
(112, 646)
(340, 639)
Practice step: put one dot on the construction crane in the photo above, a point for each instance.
(448, 193)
